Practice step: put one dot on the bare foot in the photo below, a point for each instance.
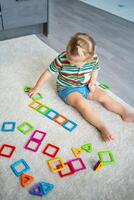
(106, 135)
(129, 117)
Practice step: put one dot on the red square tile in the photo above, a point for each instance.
(7, 146)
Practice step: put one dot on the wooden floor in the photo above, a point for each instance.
(114, 37)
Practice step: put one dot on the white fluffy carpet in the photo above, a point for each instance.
(22, 60)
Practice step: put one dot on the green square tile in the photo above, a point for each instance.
(22, 127)
(43, 109)
(38, 96)
(106, 162)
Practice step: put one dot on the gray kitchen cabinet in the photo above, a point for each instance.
(22, 17)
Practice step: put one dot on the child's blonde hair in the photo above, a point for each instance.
(81, 44)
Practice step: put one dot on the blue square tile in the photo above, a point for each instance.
(16, 164)
(51, 114)
(8, 126)
(70, 125)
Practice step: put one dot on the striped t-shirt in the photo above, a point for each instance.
(70, 75)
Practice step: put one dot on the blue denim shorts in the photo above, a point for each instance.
(83, 90)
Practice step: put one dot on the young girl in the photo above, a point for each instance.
(77, 70)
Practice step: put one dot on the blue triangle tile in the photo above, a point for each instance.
(46, 187)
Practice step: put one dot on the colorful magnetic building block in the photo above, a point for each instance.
(69, 125)
(32, 145)
(104, 86)
(65, 173)
(51, 146)
(36, 190)
(41, 189)
(99, 165)
(38, 135)
(77, 151)
(53, 115)
(60, 119)
(27, 88)
(36, 138)
(25, 127)
(43, 109)
(16, 164)
(73, 168)
(54, 168)
(46, 187)
(35, 105)
(36, 97)
(6, 146)
(8, 126)
(87, 147)
(25, 180)
(105, 153)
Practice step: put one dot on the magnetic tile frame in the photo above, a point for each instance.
(53, 115)
(22, 127)
(16, 164)
(54, 160)
(5, 127)
(41, 189)
(34, 139)
(50, 146)
(64, 174)
(12, 149)
(71, 167)
(101, 155)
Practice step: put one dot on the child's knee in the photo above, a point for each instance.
(77, 102)
(103, 97)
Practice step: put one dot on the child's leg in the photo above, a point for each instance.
(76, 100)
(112, 105)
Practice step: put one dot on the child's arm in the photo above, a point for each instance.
(92, 81)
(94, 74)
(45, 76)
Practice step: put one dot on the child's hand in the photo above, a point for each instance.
(33, 91)
(91, 87)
